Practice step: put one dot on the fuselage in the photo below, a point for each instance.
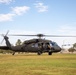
(35, 45)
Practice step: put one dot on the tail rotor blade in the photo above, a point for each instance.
(2, 41)
(4, 36)
(7, 33)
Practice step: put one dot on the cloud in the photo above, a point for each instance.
(6, 1)
(41, 7)
(20, 10)
(15, 12)
(6, 17)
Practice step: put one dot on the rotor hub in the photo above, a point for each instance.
(40, 35)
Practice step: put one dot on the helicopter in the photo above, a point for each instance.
(38, 45)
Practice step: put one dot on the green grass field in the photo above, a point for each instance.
(32, 64)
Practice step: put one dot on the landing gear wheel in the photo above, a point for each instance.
(39, 53)
(13, 53)
(49, 53)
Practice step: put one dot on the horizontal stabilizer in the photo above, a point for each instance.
(4, 47)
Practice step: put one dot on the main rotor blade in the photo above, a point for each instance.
(25, 35)
(60, 35)
(20, 35)
(41, 35)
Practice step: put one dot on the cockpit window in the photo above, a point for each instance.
(35, 45)
(54, 43)
(50, 44)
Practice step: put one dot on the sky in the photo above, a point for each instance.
(49, 17)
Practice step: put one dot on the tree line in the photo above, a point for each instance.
(72, 49)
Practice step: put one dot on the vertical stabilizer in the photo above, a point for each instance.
(7, 41)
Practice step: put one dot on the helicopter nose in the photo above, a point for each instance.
(59, 49)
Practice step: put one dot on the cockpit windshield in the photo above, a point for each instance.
(53, 43)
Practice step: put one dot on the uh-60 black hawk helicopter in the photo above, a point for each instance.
(38, 46)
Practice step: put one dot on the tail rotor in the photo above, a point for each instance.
(4, 36)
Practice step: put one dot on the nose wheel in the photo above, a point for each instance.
(39, 53)
(49, 53)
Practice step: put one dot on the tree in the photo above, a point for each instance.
(71, 49)
(18, 42)
(74, 46)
